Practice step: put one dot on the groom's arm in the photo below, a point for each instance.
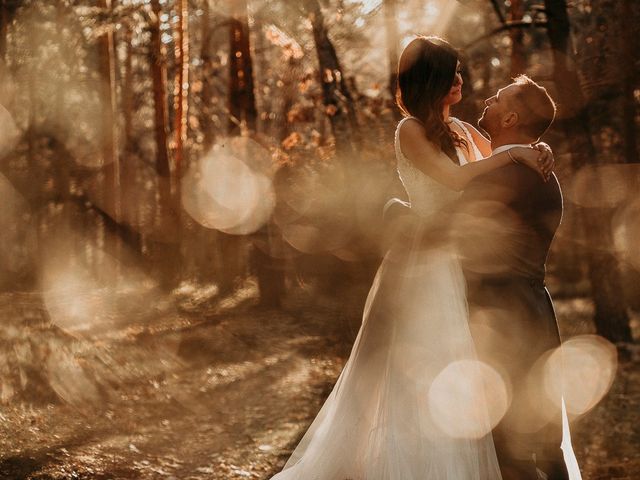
(502, 185)
(398, 220)
(395, 209)
(402, 225)
(492, 226)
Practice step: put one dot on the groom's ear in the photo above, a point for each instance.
(510, 119)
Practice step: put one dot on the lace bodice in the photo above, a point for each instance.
(426, 195)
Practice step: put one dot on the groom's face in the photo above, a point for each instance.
(496, 109)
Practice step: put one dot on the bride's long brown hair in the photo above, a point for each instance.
(426, 72)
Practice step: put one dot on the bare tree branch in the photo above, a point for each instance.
(498, 11)
(508, 25)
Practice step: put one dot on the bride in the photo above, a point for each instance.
(407, 405)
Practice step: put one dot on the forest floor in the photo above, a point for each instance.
(224, 390)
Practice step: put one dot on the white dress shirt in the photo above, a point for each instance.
(504, 148)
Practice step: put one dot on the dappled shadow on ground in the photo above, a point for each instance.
(225, 392)
(185, 396)
(607, 439)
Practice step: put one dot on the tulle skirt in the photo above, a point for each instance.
(408, 404)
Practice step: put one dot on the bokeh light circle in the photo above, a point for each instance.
(626, 231)
(582, 371)
(467, 399)
(603, 186)
(222, 191)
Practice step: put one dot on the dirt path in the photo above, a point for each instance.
(226, 394)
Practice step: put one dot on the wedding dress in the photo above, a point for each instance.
(393, 413)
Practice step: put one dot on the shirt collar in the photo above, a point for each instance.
(504, 148)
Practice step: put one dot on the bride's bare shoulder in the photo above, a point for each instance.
(413, 138)
(411, 125)
(482, 142)
(474, 131)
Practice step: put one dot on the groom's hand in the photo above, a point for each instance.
(398, 220)
(546, 160)
(394, 209)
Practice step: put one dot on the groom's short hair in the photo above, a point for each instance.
(537, 108)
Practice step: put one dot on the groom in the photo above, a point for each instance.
(506, 221)
(504, 224)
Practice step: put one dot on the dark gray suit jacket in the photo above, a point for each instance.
(504, 224)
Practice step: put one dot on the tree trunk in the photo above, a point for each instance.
(109, 123)
(242, 101)
(498, 11)
(289, 92)
(391, 27)
(181, 90)
(269, 270)
(181, 103)
(518, 61)
(63, 159)
(159, 75)
(611, 318)
(209, 261)
(127, 174)
(165, 216)
(110, 186)
(128, 95)
(631, 65)
(242, 120)
(35, 172)
(3, 30)
(208, 72)
(337, 99)
(264, 77)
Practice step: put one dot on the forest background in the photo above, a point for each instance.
(191, 216)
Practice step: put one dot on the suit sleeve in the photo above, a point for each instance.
(487, 224)
(502, 185)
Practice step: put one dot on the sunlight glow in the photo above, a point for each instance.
(369, 6)
(229, 188)
(582, 371)
(9, 133)
(74, 107)
(431, 9)
(467, 399)
(626, 232)
(433, 18)
(290, 47)
(604, 185)
(79, 298)
(67, 377)
(74, 299)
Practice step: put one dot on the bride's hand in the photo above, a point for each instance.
(530, 156)
(546, 157)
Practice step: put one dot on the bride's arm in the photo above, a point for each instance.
(433, 162)
(546, 157)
